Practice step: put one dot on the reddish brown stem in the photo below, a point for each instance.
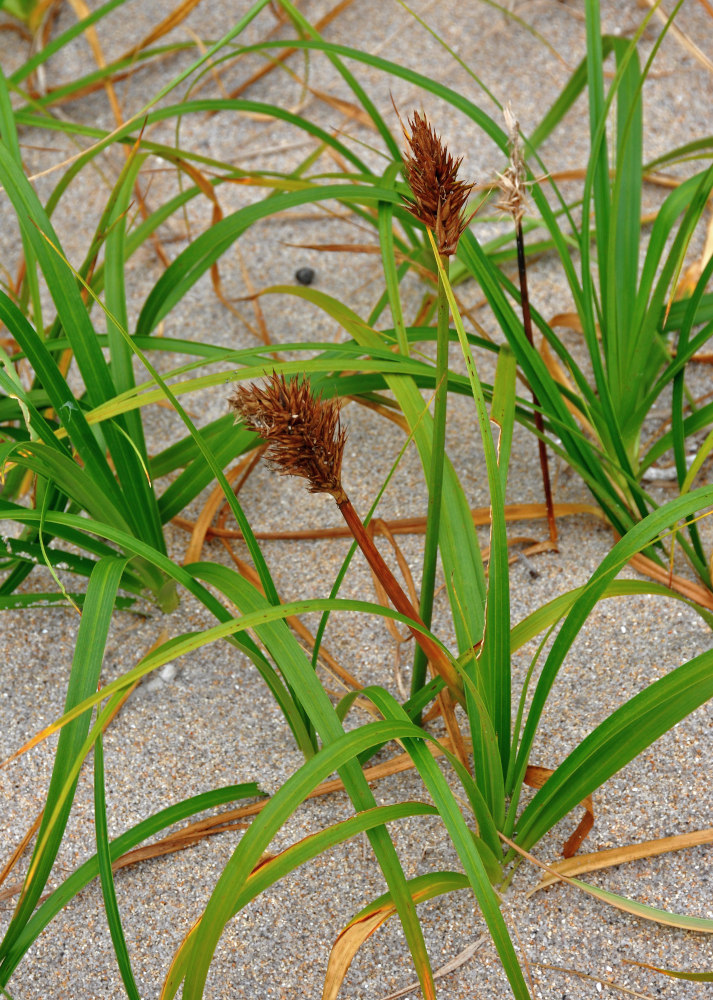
(399, 598)
(539, 425)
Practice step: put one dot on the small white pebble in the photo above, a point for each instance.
(599, 987)
(168, 672)
(155, 684)
(623, 628)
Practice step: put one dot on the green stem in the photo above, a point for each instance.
(435, 480)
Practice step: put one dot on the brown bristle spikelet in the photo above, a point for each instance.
(512, 184)
(432, 174)
(303, 432)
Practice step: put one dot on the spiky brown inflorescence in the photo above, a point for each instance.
(432, 174)
(512, 184)
(303, 432)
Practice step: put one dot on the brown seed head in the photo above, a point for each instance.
(303, 432)
(513, 190)
(432, 174)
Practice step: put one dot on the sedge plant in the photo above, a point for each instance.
(86, 502)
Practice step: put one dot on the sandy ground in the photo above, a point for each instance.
(211, 722)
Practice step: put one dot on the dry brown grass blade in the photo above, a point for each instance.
(579, 174)
(43, 17)
(178, 841)
(380, 526)
(408, 525)
(598, 860)
(207, 189)
(90, 88)
(642, 910)
(692, 591)
(691, 276)
(231, 819)
(257, 308)
(599, 980)
(286, 53)
(384, 409)
(349, 941)
(171, 21)
(568, 320)
(351, 111)
(460, 749)
(535, 777)
(450, 966)
(681, 36)
(18, 29)
(82, 11)
(369, 248)
(261, 332)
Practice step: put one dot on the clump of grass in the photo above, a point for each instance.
(52, 435)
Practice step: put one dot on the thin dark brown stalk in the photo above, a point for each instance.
(513, 200)
(539, 424)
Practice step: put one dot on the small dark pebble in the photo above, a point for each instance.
(305, 276)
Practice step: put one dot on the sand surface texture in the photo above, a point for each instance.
(208, 720)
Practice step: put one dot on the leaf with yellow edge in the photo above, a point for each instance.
(368, 920)
(694, 977)
(179, 964)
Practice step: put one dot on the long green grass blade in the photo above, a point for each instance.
(625, 734)
(462, 839)
(107, 877)
(435, 478)
(86, 667)
(299, 674)
(135, 497)
(277, 867)
(493, 660)
(624, 235)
